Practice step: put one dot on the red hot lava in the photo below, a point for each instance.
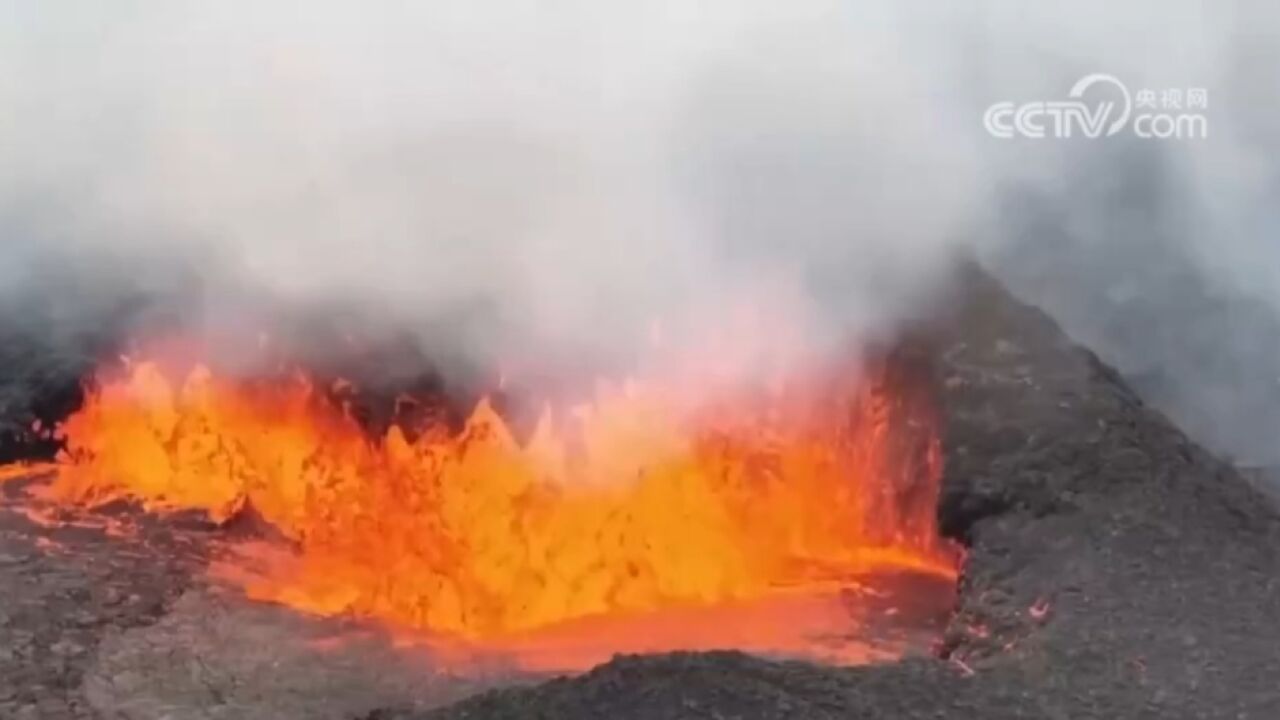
(756, 508)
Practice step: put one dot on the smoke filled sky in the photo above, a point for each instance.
(569, 170)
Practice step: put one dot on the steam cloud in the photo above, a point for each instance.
(520, 177)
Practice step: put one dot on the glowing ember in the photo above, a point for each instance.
(638, 501)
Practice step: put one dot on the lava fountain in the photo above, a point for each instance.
(645, 500)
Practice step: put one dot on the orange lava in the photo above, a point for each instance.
(25, 470)
(640, 500)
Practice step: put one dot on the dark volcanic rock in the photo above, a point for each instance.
(63, 590)
(1115, 569)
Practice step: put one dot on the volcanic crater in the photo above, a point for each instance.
(1110, 568)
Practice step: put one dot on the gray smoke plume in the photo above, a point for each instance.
(524, 178)
(1162, 255)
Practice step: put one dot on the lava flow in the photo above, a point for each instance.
(638, 501)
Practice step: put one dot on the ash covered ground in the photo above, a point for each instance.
(1115, 569)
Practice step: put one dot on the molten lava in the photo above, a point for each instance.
(639, 500)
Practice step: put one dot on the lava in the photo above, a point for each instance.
(638, 501)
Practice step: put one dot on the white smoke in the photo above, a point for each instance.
(574, 169)
(567, 171)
